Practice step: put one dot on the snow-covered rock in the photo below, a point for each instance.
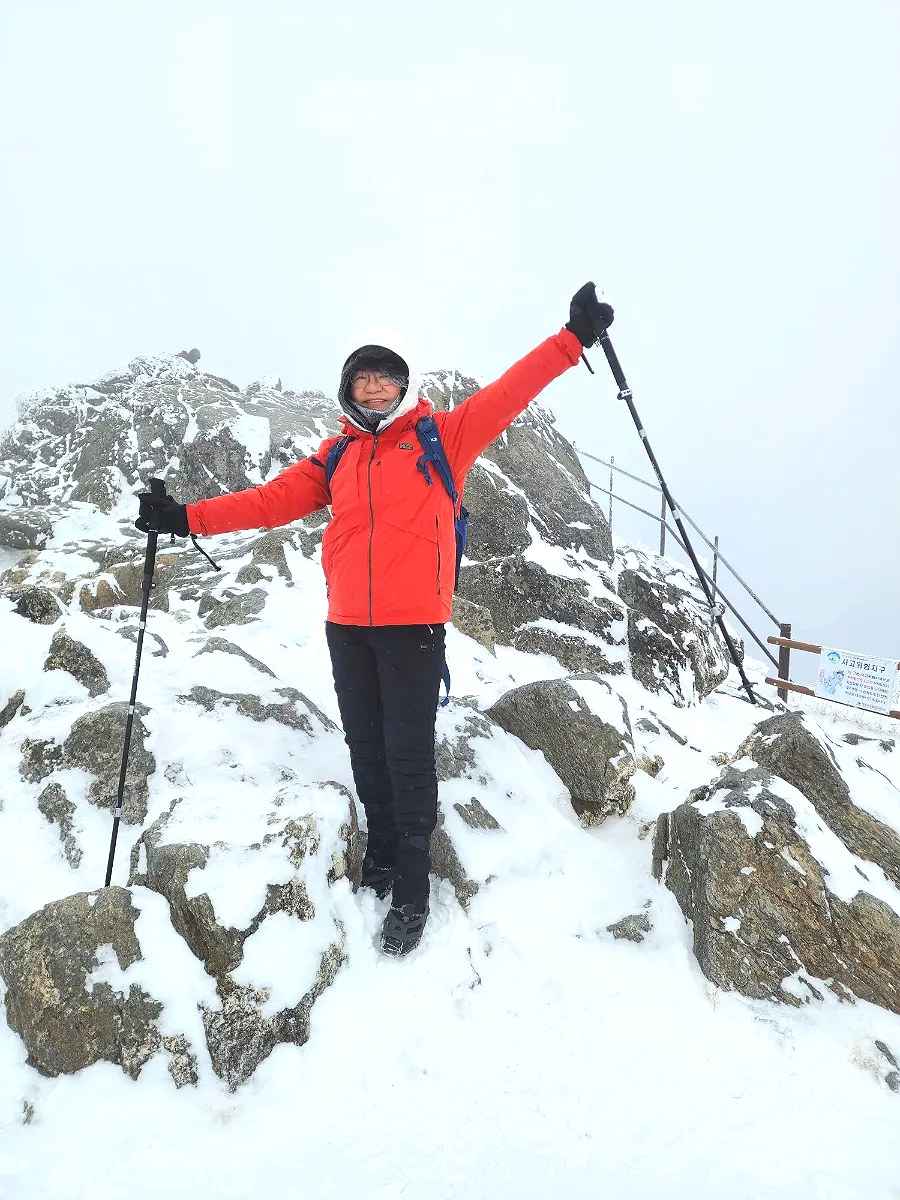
(791, 886)
(581, 726)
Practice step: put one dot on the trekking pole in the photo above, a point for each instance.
(157, 488)
(626, 395)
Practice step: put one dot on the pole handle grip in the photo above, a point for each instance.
(157, 487)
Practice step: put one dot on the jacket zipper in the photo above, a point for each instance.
(437, 529)
(371, 523)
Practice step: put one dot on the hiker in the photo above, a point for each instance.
(389, 555)
(193, 356)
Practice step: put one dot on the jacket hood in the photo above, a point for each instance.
(379, 335)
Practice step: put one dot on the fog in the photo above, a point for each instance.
(261, 181)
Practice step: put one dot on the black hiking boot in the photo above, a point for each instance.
(377, 877)
(402, 929)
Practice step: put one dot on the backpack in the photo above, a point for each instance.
(433, 454)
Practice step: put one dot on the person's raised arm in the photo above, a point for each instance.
(470, 428)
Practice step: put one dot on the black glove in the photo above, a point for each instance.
(171, 517)
(588, 316)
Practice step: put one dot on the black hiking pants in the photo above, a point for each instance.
(387, 679)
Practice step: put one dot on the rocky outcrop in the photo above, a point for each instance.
(582, 728)
(673, 643)
(781, 908)
(308, 840)
(520, 594)
(475, 621)
(67, 1020)
(25, 529)
(787, 746)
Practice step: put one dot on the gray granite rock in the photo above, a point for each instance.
(240, 610)
(24, 529)
(39, 605)
(475, 621)
(787, 746)
(766, 921)
(11, 707)
(95, 745)
(592, 756)
(55, 805)
(221, 645)
(66, 1022)
(67, 654)
(295, 711)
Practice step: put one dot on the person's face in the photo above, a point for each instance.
(374, 390)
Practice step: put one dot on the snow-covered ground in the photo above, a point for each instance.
(521, 1052)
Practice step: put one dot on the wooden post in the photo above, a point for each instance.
(662, 527)
(784, 660)
(611, 462)
(715, 565)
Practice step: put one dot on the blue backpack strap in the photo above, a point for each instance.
(433, 452)
(335, 454)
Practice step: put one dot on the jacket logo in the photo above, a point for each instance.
(406, 446)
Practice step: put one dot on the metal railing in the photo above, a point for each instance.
(783, 661)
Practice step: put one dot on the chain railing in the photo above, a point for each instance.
(782, 663)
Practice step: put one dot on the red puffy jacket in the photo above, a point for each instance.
(389, 551)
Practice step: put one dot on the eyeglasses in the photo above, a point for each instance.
(382, 378)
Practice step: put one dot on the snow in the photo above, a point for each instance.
(522, 1052)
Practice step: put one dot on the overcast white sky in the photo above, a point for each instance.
(260, 180)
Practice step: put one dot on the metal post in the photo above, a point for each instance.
(611, 469)
(662, 529)
(715, 565)
(784, 660)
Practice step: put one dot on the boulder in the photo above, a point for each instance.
(66, 654)
(582, 728)
(633, 928)
(164, 865)
(38, 604)
(781, 909)
(67, 1020)
(95, 745)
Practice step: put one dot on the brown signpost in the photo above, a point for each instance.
(784, 685)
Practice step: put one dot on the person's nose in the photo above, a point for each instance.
(372, 384)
